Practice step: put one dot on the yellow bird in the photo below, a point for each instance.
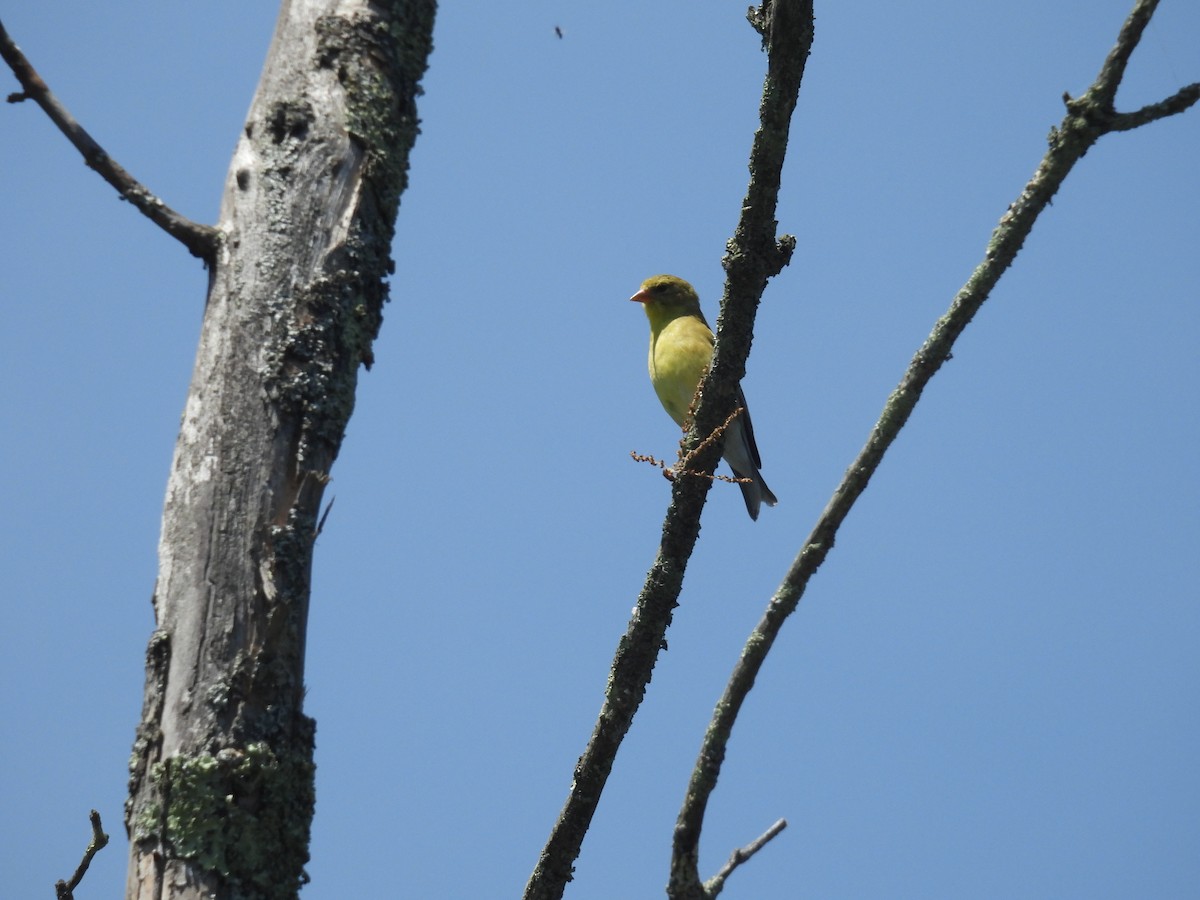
(681, 345)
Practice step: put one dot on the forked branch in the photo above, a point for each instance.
(1087, 119)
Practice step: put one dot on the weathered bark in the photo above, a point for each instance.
(221, 786)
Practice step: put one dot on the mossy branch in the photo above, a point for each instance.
(754, 254)
(1087, 119)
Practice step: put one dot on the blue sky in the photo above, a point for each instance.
(990, 689)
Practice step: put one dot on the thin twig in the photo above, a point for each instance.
(671, 473)
(1087, 119)
(65, 889)
(201, 240)
(714, 885)
(686, 456)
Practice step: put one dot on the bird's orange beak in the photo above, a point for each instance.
(640, 297)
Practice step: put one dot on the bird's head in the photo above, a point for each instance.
(667, 294)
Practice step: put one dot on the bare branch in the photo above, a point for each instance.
(1087, 119)
(1181, 100)
(201, 240)
(65, 889)
(715, 884)
(754, 255)
(1113, 70)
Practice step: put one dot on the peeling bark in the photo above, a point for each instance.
(221, 785)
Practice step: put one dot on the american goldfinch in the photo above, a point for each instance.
(681, 345)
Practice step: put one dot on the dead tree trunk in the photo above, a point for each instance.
(221, 786)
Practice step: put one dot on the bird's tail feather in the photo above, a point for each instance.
(755, 492)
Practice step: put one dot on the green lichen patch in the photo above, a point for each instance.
(243, 814)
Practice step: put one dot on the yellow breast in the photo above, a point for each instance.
(680, 352)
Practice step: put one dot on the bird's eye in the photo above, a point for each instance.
(659, 288)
